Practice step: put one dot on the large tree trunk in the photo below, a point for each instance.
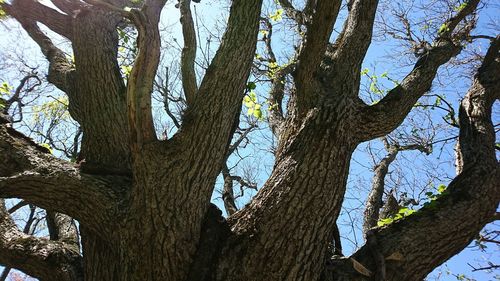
(144, 204)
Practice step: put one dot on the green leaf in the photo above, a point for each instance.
(383, 222)
(443, 28)
(403, 210)
(460, 7)
(257, 113)
(253, 96)
(2, 12)
(438, 101)
(126, 69)
(47, 146)
(251, 86)
(364, 71)
(273, 65)
(276, 16)
(5, 89)
(441, 188)
(248, 102)
(373, 87)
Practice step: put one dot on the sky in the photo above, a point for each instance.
(380, 59)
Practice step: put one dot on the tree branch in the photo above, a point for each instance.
(60, 69)
(228, 192)
(38, 257)
(452, 221)
(188, 57)
(222, 89)
(293, 13)
(380, 119)
(374, 202)
(313, 49)
(30, 10)
(28, 172)
(355, 38)
(141, 79)
(475, 110)
(278, 82)
(62, 228)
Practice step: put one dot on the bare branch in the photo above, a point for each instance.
(228, 192)
(278, 82)
(380, 119)
(374, 202)
(33, 11)
(299, 16)
(469, 202)
(60, 68)
(188, 57)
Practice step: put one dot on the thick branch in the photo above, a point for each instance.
(28, 229)
(380, 119)
(374, 202)
(188, 57)
(205, 129)
(60, 68)
(140, 81)
(475, 111)
(38, 257)
(356, 36)
(314, 46)
(30, 10)
(470, 201)
(28, 172)
(62, 228)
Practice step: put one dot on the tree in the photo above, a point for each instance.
(143, 204)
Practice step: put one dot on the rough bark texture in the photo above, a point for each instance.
(144, 204)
